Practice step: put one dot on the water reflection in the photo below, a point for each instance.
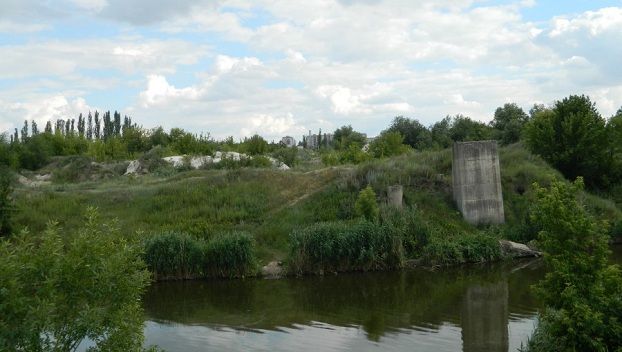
(474, 308)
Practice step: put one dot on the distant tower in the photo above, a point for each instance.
(477, 182)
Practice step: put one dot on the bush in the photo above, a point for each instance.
(230, 255)
(344, 246)
(54, 293)
(467, 248)
(6, 202)
(583, 294)
(410, 225)
(174, 256)
(366, 206)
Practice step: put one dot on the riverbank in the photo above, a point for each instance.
(271, 205)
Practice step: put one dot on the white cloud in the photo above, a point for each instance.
(46, 108)
(234, 67)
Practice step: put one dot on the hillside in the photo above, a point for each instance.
(270, 203)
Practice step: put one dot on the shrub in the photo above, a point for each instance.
(173, 256)
(179, 256)
(466, 248)
(582, 292)
(408, 223)
(230, 255)
(344, 246)
(56, 293)
(366, 206)
(6, 202)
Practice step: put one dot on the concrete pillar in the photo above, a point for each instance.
(477, 182)
(394, 196)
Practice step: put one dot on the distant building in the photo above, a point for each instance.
(312, 140)
(289, 141)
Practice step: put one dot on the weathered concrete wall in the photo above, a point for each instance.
(395, 194)
(477, 182)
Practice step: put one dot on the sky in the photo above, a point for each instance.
(284, 67)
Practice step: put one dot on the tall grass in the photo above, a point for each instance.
(176, 256)
(344, 246)
(464, 248)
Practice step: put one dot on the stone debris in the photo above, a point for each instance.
(197, 162)
(518, 250)
(272, 270)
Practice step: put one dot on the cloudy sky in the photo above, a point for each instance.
(284, 67)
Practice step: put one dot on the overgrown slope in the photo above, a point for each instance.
(269, 204)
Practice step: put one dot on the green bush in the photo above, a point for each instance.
(344, 246)
(366, 206)
(174, 256)
(231, 255)
(582, 292)
(6, 202)
(55, 293)
(408, 223)
(466, 248)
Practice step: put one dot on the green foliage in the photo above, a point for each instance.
(572, 137)
(413, 132)
(173, 255)
(410, 224)
(6, 202)
(255, 145)
(231, 255)
(56, 293)
(388, 144)
(464, 129)
(345, 137)
(178, 256)
(509, 121)
(342, 246)
(462, 248)
(583, 293)
(366, 206)
(287, 155)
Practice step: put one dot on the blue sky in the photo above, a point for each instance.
(239, 67)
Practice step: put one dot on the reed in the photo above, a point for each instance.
(344, 246)
(178, 256)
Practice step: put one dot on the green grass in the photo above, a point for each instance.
(270, 204)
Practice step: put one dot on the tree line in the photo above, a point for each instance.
(570, 134)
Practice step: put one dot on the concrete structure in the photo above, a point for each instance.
(312, 140)
(289, 141)
(395, 195)
(477, 182)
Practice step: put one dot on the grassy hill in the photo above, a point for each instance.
(269, 204)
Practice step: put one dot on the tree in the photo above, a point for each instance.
(346, 136)
(388, 144)
(582, 292)
(440, 134)
(255, 145)
(56, 292)
(414, 133)
(366, 205)
(509, 121)
(24, 132)
(572, 138)
(464, 129)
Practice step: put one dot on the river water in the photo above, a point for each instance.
(483, 307)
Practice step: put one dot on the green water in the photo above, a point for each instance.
(486, 307)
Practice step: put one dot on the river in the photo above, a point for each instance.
(482, 307)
